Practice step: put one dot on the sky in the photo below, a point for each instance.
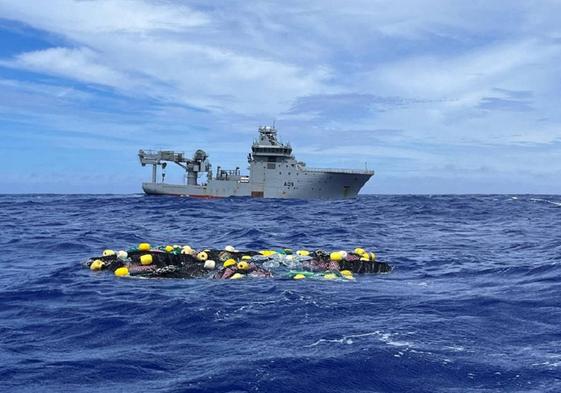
(436, 96)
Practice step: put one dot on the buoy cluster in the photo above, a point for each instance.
(182, 261)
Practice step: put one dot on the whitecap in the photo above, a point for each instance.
(384, 337)
(546, 201)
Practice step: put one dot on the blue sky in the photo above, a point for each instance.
(436, 96)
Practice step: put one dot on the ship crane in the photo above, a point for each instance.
(192, 166)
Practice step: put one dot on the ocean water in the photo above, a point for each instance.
(473, 303)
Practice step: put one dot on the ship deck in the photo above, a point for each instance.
(339, 170)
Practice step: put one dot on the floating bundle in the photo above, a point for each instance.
(174, 261)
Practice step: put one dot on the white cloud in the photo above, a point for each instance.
(461, 76)
(149, 46)
(81, 64)
(102, 16)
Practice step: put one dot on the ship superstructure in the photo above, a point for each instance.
(274, 172)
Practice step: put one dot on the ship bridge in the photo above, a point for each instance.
(269, 146)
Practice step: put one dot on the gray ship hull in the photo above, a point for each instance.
(306, 185)
(223, 191)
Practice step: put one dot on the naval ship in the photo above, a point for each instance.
(274, 172)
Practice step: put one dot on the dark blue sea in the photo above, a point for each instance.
(473, 303)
